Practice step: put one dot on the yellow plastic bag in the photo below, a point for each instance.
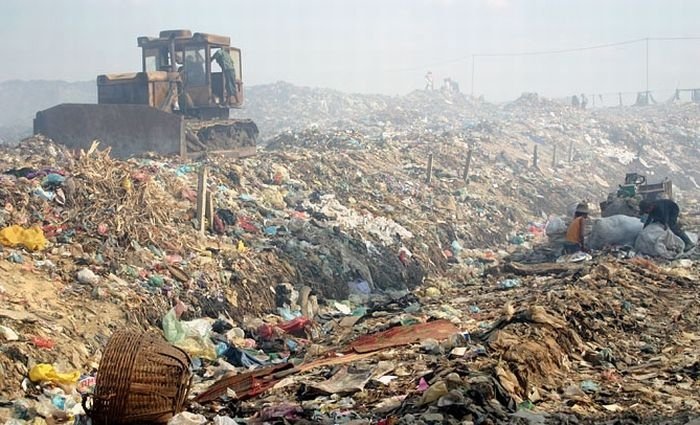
(32, 238)
(46, 372)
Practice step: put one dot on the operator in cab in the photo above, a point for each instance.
(228, 69)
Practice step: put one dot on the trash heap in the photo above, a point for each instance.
(338, 280)
(549, 342)
(595, 147)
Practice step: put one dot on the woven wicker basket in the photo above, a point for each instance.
(141, 379)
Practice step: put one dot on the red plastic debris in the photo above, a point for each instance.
(103, 229)
(45, 343)
(219, 225)
(246, 224)
(294, 327)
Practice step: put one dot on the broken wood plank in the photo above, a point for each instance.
(541, 268)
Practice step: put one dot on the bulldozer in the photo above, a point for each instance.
(626, 200)
(179, 104)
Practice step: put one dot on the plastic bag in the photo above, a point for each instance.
(192, 336)
(187, 418)
(240, 358)
(615, 230)
(172, 327)
(32, 238)
(555, 226)
(294, 327)
(273, 198)
(656, 241)
(622, 206)
(44, 372)
(224, 420)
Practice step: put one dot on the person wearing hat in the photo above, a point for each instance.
(574, 234)
(665, 212)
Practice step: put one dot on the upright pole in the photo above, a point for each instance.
(571, 151)
(647, 65)
(473, 68)
(202, 198)
(554, 157)
(429, 171)
(467, 164)
(209, 214)
(534, 157)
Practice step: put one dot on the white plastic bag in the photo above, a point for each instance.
(656, 241)
(555, 226)
(187, 418)
(615, 230)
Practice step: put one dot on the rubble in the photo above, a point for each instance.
(338, 282)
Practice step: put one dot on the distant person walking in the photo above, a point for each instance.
(228, 69)
(429, 81)
(575, 102)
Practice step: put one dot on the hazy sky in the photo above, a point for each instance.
(381, 46)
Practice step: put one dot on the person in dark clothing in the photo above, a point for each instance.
(228, 68)
(575, 102)
(665, 212)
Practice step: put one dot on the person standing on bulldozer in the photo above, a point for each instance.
(665, 212)
(574, 235)
(228, 69)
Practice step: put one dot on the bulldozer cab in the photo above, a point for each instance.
(192, 60)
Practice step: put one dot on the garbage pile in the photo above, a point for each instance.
(360, 270)
(282, 107)
(596, 146)
(591, 340)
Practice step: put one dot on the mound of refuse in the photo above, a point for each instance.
(365, 270)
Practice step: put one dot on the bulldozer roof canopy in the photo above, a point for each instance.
(184, 39)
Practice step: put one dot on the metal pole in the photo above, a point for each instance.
(473, 68)
(647, 65)
(171, 49)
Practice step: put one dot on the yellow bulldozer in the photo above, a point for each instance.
(179, 103)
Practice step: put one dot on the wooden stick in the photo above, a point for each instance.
(210, 210)
(554, 157)
(466, 165)
(534, 157)
(201, 198)
(429, 171)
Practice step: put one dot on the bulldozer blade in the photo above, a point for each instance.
(128, 129)
(136, 129)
